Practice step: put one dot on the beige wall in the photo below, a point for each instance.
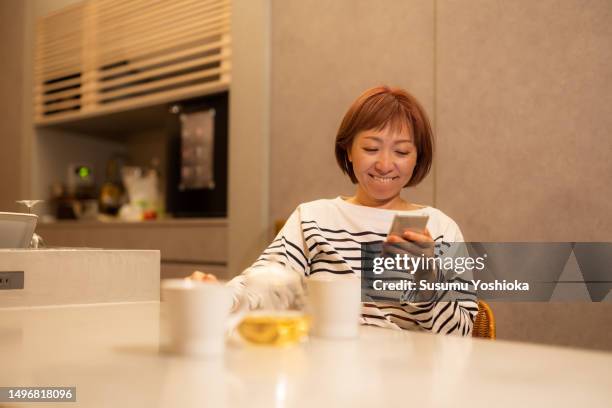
(11, 79)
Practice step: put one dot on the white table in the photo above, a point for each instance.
(110, 353)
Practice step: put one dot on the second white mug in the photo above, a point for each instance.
(335, 305)
(197, 315)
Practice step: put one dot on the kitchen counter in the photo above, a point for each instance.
(57, 276)
(111, 222)
(110, 354)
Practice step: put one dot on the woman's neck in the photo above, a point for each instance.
(393, 203)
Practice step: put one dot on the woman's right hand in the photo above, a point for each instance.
(202, 277)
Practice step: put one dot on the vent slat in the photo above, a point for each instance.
(174, 38)
(136, 89)
(38, 89)
(59, 106)
(138, 22)
(169, 69)
(147, 62)
(49, 97)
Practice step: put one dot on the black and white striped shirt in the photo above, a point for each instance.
(325, 236)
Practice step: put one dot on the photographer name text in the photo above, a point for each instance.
(474, 284)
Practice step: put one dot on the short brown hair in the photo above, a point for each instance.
(378, 108)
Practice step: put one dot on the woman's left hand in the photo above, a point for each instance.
(202, 277)
(414, 243)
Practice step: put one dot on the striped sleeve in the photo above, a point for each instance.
(452, 317)
(274, 280)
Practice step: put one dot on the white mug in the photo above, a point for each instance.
(335, 305)
(197, 316)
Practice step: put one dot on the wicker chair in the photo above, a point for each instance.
(484, 324)
(278, 225)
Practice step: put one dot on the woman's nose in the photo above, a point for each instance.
(384, 163)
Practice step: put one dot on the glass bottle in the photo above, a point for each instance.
(111, 193)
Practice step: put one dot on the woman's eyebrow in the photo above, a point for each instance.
(376, 138)
(380, 139)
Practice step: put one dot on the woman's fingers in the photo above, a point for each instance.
(394, 238)
(410, 242)
(401, 248)
(396, 245)
(202, 277)
(424, 239)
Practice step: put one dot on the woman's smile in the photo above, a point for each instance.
(383, 179)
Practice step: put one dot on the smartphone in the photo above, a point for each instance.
(416, 223)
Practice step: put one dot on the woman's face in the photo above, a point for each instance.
(383, 162)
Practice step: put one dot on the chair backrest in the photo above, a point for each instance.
(484, 324)
(278, 225)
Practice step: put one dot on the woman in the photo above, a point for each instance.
(384, 144)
